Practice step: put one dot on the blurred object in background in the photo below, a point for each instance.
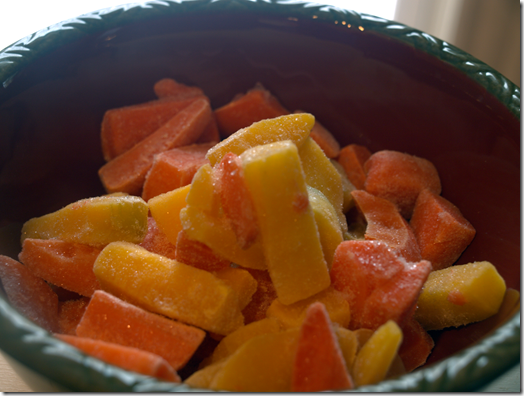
(487, 29)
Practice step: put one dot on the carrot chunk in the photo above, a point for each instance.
(400, 178)
(378, 284)
(174, 168)
(127, 172)
(416, 345)
(69, 314)
(65, 264)
(169, 88)
(319, 364)
(156, 241)
(128, 358)
(198, 255)
(124, 127)
(441, 230)
(352, 158)
(255, 105)
(324, 139)
(236, 199)
(29, 294)
(110, 319)
(384, 223)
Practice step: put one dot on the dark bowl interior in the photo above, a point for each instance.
(375, 83)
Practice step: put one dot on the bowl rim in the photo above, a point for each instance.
(464, 370)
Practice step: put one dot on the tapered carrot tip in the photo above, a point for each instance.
(156, 241)
(29, 294)
(323, 138)
(352, 158)
(400, 178)
(128, 358)
(441, 230)
(319, 364)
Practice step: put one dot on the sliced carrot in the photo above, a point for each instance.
(441, 230)
(384, 223)
(128, 358)
(262, 298)
(174, 168)
(124, 127)
(110, 319)
(29, 294)
(255, 105)
(236, 199)
(169, 88)
(65, 264)
(400, 177)
(211, 133)
(127, 172)
(156, 241)
(352, 158)
(324, 139)
(319, 363)
(198, 255)
(69, 314)
(416, 345)
(378, 284)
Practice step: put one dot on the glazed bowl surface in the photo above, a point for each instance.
(368, 80)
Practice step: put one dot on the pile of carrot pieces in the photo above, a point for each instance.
(187, 283)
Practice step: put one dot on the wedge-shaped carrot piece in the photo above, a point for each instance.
(262, 364)
(174, 168)
(319, 364)
(236, 199)
(128, 358)
(124, 127)
(29, 294)
(127, 172)
(168, 287)
(169, 88)
(416, 345)
(324, 139)
(70, 313)
(156, 241)
(93, 221)
(198, 255)
(294, 127)
(384, 223)
(441, 230)
(400, 177)
(352, 158)
(255, 105)
(288, 231)
(374, 359)
(378, 284)
(111, 319)
(65, 264)
(261, 299)
(459, 295)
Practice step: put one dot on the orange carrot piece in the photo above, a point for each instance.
(29, 294)
(156, 241)
(400, 178)
(198, 255)
(255, 105)
(261, 299)
(378, 285)
(69, 314)
(124, 127)
(65, 264)
(110, 319)
(441, 230)
(169, 88)
(319, 364)
(128, 358)
(416, 345)
(211, 133)
(236, 199)
(127, 172)
(352, 158)
(174, 168)
(384, 223)
(324, 139)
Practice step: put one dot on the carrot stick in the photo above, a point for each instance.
(169, 88)
(352, 158)
(198, 255)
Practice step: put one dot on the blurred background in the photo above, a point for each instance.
(487, 29)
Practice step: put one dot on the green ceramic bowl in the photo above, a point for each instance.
(368, 80)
